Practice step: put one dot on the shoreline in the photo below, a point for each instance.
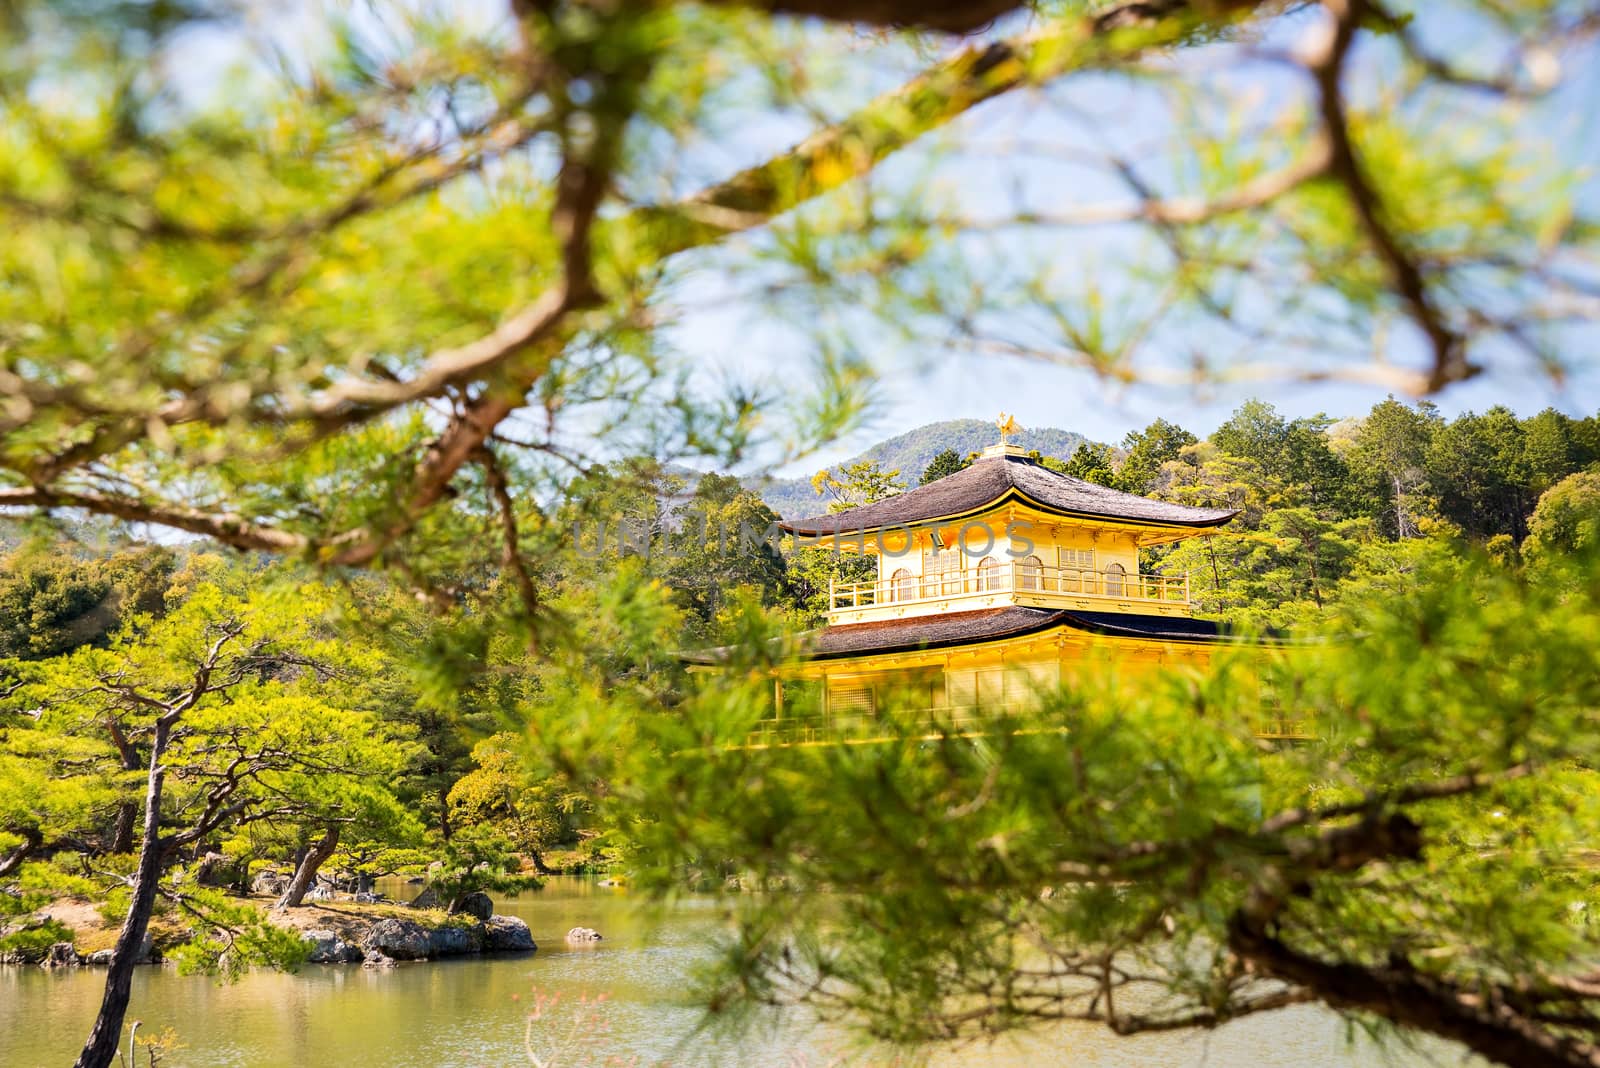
(373, 934)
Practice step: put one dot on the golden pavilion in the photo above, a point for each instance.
(990, 584)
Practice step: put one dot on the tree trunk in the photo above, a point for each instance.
(306, 873)
(122, 832)
(101, 1048)
(128, 811)
(444, 813)
(1399, 511)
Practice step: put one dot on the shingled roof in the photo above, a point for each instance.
(991, 481)
(919, 633)
(929, 632)
(916, 633)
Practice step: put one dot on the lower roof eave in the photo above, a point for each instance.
(958, 630)
(1162, 630)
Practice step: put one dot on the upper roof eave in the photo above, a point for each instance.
(991, 483)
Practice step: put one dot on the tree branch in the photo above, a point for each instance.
(948, 16)
(1449, 358)
(511, 553)
(821, 163)
(1430, 790)
(1481, 1020)
(31, 842)
(225, 527)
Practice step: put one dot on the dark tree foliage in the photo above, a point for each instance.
(1092, 463)
(1479, 473)
(54, 600)
(724, 539)
(1147, 450)
(943, 465)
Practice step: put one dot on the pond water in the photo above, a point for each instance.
(474, 1012)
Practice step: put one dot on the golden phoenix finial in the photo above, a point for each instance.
(1008, 425)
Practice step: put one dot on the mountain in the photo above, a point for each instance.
(910, 453)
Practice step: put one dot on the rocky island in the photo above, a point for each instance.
(339, 929)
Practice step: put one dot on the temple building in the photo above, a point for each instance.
(990, 584)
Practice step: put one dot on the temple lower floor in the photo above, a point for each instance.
(960, 670)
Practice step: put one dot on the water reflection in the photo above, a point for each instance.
(472, 1012)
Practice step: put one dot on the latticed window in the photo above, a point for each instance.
(941, 570)
(1116, 575)
(845, 698)
(988, 574)
(1029, 573)
(1077, 570)
(902, 585)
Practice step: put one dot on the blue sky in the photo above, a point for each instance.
(725, 331)
(728, 334)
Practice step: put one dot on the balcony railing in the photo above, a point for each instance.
(865, 727)
(1011, 577)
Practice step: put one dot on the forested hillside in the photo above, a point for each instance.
(910, 453)
(1323, 502)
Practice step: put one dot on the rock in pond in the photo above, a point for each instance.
(583, 934)
(147, 953)
(400, 939)
(374, 959)
(479, 906)
(328, 948)
(453, 941)
(508, 934)
(60, 955)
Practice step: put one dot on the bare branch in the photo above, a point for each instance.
(1258, 192)
(1431, 790)
(1203, 1018)
(226, 527)
(511, 553)
(1449, 358)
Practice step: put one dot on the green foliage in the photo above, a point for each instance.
(943, 465)
(1320, 502)
(53, 601)
(24, 929)
(266, 736)
(1478, 469)
(901, 872)
(1146, 451)
(297, 304)
(231, 936)
(478, 860)
(1092, 463)
(814, 570)
(1567, 518)
(499, 794)
(726, 539)
(855, 484)
(1390, 458)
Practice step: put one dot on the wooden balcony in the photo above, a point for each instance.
(864, 728)
(1007, 583)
